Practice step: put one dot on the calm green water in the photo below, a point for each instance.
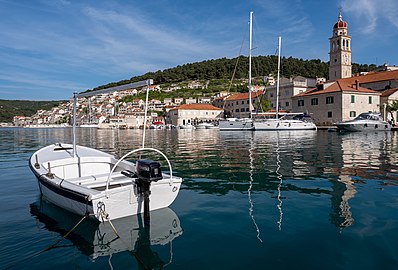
(250, 200)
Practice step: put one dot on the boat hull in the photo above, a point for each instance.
(238, 124)
(363, 126)
(272, 124)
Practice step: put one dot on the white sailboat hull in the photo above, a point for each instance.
(236, 124)
(286, 124)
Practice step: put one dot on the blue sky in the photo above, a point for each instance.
(51, 48)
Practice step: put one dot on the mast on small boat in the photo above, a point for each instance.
(277, 78)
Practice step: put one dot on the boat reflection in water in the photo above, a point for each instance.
(96, 239)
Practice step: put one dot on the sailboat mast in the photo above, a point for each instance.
(277, 81)
(250, 63)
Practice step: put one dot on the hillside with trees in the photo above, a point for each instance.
(11, 108)
(223, 69)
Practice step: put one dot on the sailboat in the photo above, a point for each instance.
(282, 121)
(242, 123)
(92, 183)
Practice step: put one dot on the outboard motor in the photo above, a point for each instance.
(147, 171)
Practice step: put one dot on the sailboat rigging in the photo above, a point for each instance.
(245, 123)
(281, 121)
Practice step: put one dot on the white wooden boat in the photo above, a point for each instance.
(90, 182)
(369, 121)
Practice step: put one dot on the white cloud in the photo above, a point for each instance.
(372, 14)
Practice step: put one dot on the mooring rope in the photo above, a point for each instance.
(50, 246)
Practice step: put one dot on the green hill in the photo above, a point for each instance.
(222, 69)
(11, 108)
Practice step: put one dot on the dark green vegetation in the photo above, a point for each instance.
(11, 108)
(223, 69)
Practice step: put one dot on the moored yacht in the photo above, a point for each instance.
(368, 121)
(292, 121)
(236, 124)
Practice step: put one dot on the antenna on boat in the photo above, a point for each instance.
(277, 80)
(106, 91)
(250, 63)
(146, 111)
(74, 123)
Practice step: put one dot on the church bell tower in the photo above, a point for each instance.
(340, 51)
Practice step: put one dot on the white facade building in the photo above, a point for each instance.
(192, 114)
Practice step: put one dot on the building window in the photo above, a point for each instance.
(314, 101)
(271, 94)
(353, 114)
(237, 103)
(287, 104)
(242, 109)
(247, 109)
(329, 100)
(352, 99)
(370, 100)
(243, 102)
(330, 114)
(300, 102)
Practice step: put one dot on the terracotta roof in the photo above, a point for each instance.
(244, 95)
(389, 92)
(197, 106)
(373, 77)
(338, 86)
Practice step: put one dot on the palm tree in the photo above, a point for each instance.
(392, 107)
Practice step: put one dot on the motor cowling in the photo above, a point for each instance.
(148, 170)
